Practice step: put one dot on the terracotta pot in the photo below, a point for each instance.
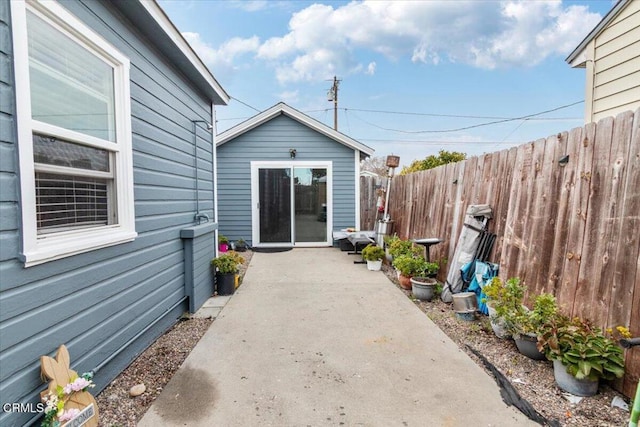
(405, 282)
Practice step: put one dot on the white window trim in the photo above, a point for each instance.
(48, 247)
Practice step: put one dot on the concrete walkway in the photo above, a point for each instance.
(310, 339)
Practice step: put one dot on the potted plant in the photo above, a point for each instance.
(227, 266)
(423, 283)
(399, 247)
(241, 245)
(581, 353)
(525, 325)
(223, 243)
(504, 301)
(373, 255)
(388, 242)
(408, 265)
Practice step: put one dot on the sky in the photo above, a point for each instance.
(415, 77)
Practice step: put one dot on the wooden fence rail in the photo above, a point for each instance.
(572, 230)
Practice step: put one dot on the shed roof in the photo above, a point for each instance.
(154, 23)
(577, 58)
(283, 109)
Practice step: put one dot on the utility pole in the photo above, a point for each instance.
(332, 95)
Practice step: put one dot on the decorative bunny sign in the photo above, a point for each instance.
(67, 398)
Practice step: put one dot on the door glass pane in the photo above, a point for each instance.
(311, 204)
(70, 87)
(275, 205)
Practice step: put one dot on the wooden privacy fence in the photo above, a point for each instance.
(572, 230)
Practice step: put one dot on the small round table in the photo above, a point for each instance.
(427, 243)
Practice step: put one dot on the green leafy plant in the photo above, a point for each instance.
(506, 299)
(585, 351)
(404, 247)
(530, 322)
(222, 239)
(228, 263)
(373, 253)
(430, 269)
(409, 265)
(389, 240)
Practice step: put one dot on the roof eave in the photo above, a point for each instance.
(154, 23)
(282, 108)
(579, 50)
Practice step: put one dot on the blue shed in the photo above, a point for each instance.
(106, 187)
(286, 179)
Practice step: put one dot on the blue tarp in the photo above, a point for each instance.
(482, 273)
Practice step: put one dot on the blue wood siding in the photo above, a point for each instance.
(97, 301)
(271, 141)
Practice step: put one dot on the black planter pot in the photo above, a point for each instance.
(527, 345)
(225, 283)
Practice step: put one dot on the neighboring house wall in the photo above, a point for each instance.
(98, 301)
(613, 66)
(271, 141)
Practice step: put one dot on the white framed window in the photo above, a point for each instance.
(74, 134)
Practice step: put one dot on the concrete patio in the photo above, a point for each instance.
(312, 339)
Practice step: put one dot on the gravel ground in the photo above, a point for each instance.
(532, 379)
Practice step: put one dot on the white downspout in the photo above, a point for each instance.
(214, 134)
(357, 172)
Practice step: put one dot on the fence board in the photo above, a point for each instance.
(513, 248)
(625, 243)
(551, 186)
(590, 269)
(501, 207)
(565, 184)
(581, 184)
(529, 264)
(612, 218)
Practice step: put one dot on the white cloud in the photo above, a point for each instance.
(323, 41)
(223, 59)
(289, 97)
(371, 68)
(250, 5)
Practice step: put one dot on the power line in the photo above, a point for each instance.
(245, 104)
(472, 126)
(440, 142)
(456, 116)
